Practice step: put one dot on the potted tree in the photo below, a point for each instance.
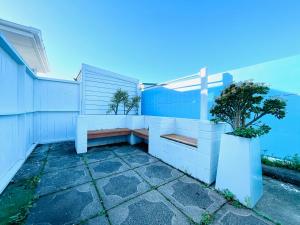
(243, 105)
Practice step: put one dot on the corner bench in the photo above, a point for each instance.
(181, 139)
(141, 133)
(93, 134)
(108, 133)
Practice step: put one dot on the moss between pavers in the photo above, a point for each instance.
(16, 200)
(18, 197)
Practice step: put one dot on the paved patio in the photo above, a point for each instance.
(121, 184)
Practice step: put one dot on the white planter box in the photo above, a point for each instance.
(239, 168)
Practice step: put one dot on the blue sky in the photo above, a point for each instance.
(160, 40)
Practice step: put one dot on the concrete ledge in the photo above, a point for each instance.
(283, 174)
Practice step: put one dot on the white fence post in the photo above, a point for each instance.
(203, 94)
(139, 93)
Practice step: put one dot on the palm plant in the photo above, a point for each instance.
(118, 97)
(132, 103)
(122, 97)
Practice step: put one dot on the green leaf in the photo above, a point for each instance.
(243, 105)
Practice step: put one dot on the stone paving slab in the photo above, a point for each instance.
(111, 147)
(28, 170)
(158, 173)
(126, 150)
(98, 155)
(66, 198)
(41, 150)
(121, 187)
(57, 163)
(99, 220)
(66, 207)
(102, 148)
(62, 149)
(33, 158)
(107, 168)
(67, 146)
(230, 215)
(150, 208)
(62, 179)
(61, 153)
(280, 201)
(139, 159)
(192, 197)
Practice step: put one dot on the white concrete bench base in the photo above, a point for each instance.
(199, 161)
(87, 123)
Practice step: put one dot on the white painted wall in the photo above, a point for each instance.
(98, 87)
(32, 110)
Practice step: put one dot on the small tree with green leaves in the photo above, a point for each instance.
(132, 103)
(242, 105)
(122, 97)
(118, 98)
(125, 101)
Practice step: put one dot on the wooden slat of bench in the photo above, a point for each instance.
(181, 139)
(142, 133)
(108, 133)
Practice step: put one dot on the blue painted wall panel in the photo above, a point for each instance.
(167, 102)
(282, 141)
(284, 137)
(162, 101)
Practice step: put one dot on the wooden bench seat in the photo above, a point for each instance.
(108, 133)
(181, 139)
(142, 133)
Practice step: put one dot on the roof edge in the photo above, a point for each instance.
(37, 36)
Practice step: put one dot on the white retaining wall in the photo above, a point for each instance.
(98, 87)
(200, 162)
(32, 110)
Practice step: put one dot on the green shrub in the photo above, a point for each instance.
(242, 105)
(290, 162)
(206, 219)
(228, 195)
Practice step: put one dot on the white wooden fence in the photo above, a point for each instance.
(32, 110)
